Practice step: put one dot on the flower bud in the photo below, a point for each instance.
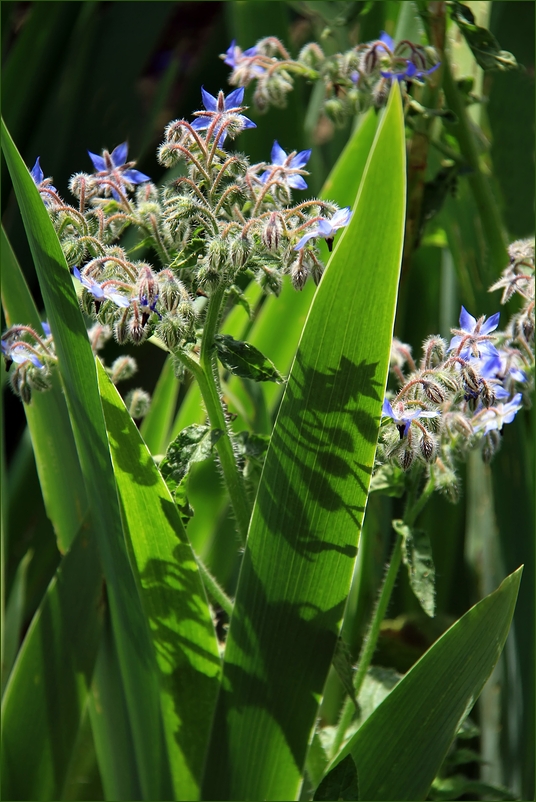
(121, 328)
(239, 251)
(433, 392)
(74, 251)
(270, 280)
(405, 458)
(298, 274)
(217, 255)
(147, 288)
(487, 393)
(271, 235)
(334, 109)
(170, 331)
(380, 93)
(122, 369)
(138, 402)
(136, 330)
(427, 447)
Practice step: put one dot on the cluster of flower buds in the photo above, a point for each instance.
(353, 80)
(33, 355)
(463, 392)
(223, 217)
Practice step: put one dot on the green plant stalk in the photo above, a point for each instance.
(413, 509)
(213, 588)
(205, 372)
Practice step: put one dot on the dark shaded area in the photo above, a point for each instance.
(511, 116)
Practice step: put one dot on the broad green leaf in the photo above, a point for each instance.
(277, 343)
(417, 557)
(45, 697)
(423, 712)
(245, 360)
(61, 479)
(194, 444)
(110, 723)
(77, 368)
(340, 783)
(157, 423)
(302, 543)
(172, 596)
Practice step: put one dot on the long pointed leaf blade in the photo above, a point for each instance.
(47, 690)
(77, 367)
(172, 595)
(424, 710)
(56, 459)
(306, 521)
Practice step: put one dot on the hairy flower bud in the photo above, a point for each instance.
(271, 234)
(239, 251)
(138, 402)
(405, 458)
(298, 274)
(147, 288)
(433, 392)
(171, 331)
(487, 393)
(121, 328)
(122, 369)
(427, 447)
(334, 109)
(136, 330)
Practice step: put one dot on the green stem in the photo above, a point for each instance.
(214, 590)
(413, 508)
(205, 372)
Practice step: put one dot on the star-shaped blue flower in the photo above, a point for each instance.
(474, 336)
(411, 73)
(495, 417)
(284, 167)
(223, 109)
(114, 166)
(327, 228)
(403, 417)
(234, 55)
(17, 352)
(99, 292)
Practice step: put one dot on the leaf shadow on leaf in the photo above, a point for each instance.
(321, 426)
(278, 694)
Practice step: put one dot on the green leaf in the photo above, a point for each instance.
(245, 360)
(417, 557)
(13, 617)
(194, 444)
(78, 374)
(302, 543)
(484, 46)
(340, 783)
(47, 691)
(172, 596)
(423, 712)
(157, 423)
(60, 477)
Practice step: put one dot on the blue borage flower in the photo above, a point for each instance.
(17, 351)
(411, 73)
(39, 177)
(235, 57)
(327, 228)
(495, 417)
(403, 417)
(113, 169)
(473, 336)
(222, 112)
(287, 168)
(101, 292)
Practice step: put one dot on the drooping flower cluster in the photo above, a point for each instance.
(462, 393)
(353, 80)
(222, 218)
